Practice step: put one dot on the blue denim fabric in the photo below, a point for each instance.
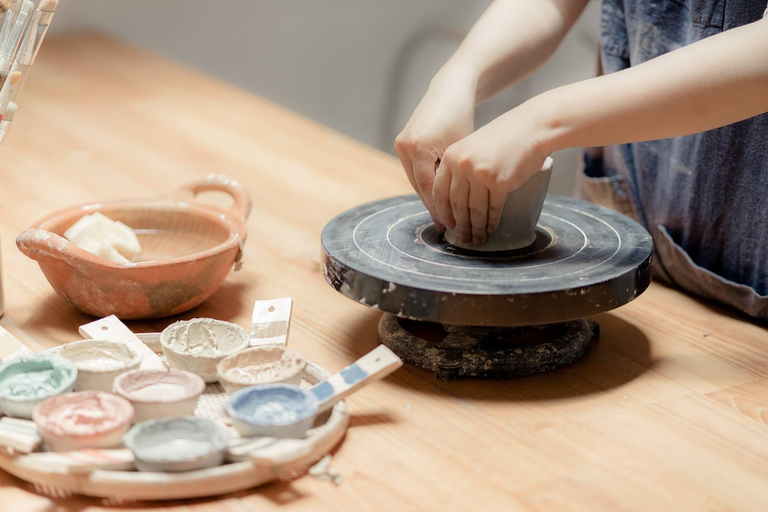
(703, 197)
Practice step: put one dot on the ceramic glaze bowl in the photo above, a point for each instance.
(98, 362)
(272, 410)
(198, 345)
(80, 420)
(519, 218)
(26, 381)
(188, 249)
(261, 365)
(159, 394)
(177, 444)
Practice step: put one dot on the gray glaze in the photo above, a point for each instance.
(272, 410)
(586, 259)
(177, 444)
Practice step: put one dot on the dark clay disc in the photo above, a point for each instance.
(586, 259)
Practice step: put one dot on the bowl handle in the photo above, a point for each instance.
(221, 183)
(39, 243)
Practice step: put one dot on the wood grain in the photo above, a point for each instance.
(666, 412)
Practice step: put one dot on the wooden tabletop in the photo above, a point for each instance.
(668, 411)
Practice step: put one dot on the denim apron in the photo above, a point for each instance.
(703, 197)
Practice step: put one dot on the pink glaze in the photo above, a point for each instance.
(158, 385)
(85, 419)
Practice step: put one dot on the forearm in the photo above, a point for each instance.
(714, 82)
(510, 40)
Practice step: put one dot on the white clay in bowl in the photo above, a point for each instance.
(198, 345)
(159, 394)
(87, 419)
(98, 362)
(261, 365)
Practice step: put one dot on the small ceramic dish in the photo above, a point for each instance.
(27, 380)
(177, 444)
(188, 248)
(288, 411)
(98, 362)
(198, 345)
(159, 394)
(85, 419)
(261, 365)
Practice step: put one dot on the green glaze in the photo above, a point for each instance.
(35, 376)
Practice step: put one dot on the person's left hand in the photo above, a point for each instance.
(477, 173)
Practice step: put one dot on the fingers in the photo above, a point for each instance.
(424, 176)
(478, 212)
(441, 196)
(497, 199)
(459, 193)
(420, 173)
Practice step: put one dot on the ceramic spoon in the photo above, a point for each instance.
(288, 411)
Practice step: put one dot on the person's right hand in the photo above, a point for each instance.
(445, 115)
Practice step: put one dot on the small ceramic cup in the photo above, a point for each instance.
(198, 345)
(84, 419)
(159, 394)
(519, 218)
(177, 444)
(98, 362)
(272, 410)
(261, 365)
(27, 380)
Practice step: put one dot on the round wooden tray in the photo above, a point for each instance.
(270, 459)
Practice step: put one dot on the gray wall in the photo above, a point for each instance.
(358, 66)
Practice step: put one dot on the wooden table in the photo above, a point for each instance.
(668, 411)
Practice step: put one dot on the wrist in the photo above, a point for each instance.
(544, 121)
(456, 73)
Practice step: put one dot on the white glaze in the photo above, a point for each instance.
(98, 362)
(261, 365)
(198, 345)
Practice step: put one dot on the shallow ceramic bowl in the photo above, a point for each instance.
(272, 410)
(270, 365)
(187, 250)
(202, 365)
(521, 213)
(77, 409)
(160, 394)
(177, 444)
(99, 362)
(22, 407)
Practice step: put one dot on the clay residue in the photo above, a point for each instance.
(260, 365)
(158, 386)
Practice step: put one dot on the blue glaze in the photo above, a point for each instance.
(353, 374)
(272, 405)
(322, 391)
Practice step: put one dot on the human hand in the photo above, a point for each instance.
(444, 116)
(477, 173)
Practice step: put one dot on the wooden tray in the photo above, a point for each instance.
(251, 462)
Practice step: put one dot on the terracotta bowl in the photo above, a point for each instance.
(188, 248)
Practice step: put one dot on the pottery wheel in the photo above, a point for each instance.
(586, 259)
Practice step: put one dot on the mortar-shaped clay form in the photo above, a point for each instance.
(99, 362)
(261, 365)
(160, 394)
(198, 345)
(80, 420)
(27, 380)
(519, 218)
(177, 444)
(188, 248)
